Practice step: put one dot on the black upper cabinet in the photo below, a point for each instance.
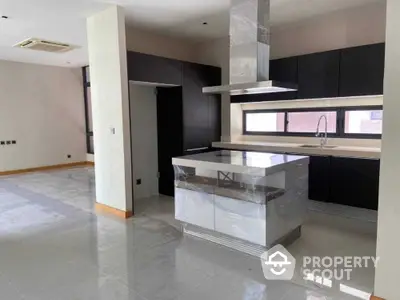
(284, 70)
(319, 75)
(201, 112)
(150, 68)
(362, 70)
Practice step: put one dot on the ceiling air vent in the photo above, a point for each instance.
(44, 45)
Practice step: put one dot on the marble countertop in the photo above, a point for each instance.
(340, 151)
(239, 161)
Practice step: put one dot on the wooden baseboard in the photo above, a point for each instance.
(90, 163)
(113, 211)
(46, 168)
(375, 298)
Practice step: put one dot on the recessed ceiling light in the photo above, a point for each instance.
(205, 23)
(4, 17)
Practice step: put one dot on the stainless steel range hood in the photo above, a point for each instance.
(249, 51)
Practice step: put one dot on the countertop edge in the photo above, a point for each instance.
(340, 151)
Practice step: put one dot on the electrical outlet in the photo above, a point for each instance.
(8, 142)
(69, 155)
(2, 142)
(13, 142)
(138, 181)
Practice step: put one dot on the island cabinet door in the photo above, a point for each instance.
(194, 208)
(241, 219)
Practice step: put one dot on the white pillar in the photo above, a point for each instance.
(110, 106)
(226, 134)
(388, 241)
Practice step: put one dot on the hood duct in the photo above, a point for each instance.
(250, 51)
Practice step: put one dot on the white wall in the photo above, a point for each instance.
(42, 108)
(110, 108)
(151, 43)
(388, 243)
(341, 29)
(143, 106)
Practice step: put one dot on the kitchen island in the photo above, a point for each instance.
(248, 201)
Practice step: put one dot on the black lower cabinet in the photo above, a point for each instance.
(347, 181)
(319, 178)
(355, 182)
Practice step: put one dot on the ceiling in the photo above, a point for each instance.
(64, 21)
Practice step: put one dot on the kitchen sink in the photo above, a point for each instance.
(317, 146)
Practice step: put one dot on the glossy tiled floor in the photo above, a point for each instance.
(53, 246)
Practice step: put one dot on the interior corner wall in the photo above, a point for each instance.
(341, 29)
(160, 45)
(143, 107)
(42, 109)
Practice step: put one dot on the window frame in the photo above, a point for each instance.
(264, 132)
(89, 134)
(340, 122)
(287, 111)
(358, 135)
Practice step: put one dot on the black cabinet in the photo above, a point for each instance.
(355, 182)
(201, 112)
(347, 181)
(284, 70)
(362, 70)
(346, 72)
(188, 121)
(319, 178)
(169, 135)
(155, 69)
(318, 75)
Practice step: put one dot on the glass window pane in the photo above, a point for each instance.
(91, 145)
(363, 121)
(307, 121)
(89, 106)
(265, 122)
(87, 74)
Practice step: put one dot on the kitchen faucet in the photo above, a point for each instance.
(324, 139)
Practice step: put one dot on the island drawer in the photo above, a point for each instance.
(241, 219)
(194, 207)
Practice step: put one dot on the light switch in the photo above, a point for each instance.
(112, 129)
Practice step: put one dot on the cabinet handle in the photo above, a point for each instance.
(196, 149)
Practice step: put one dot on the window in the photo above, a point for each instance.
(343, 122)
(88, 109)
(307, 121)
(265, 122)
(363, 122)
